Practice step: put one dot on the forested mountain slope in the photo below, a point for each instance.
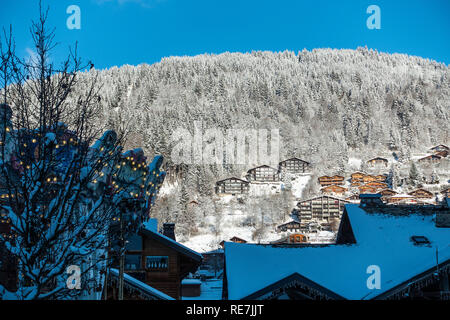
(329, 105)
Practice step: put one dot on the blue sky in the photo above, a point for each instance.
(117, 32)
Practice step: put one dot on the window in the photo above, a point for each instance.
(157, 263)
(132, 262)
(420, 240)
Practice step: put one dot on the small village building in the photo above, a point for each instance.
(378, 161)
(232, 186)
(323, 209)
(402, 199)
(388, 192)
(442, 154)
(354, 198)
(212, 262)
(294, 166)
(377, 185)
(367, 189)
(328, 181)
(421, 194)
(263, 173)
(381, 177)
(430, 159)
(296, 238)
(333, 189)
(356, 178)
(238, 240)
(439, 148)
(291, 226)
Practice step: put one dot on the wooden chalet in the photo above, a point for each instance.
(291, 226)
(354, 198)
(294, 165)
(366, 234)
(378, 161)
(377, 185)
(430, 159)
(388, 192)
(401, 199)
(263, 173)
(333, 189)
(356, 178)
(157, 260)
(442, 154)
(238, 240)
(232, 186)
(367, 189)
(446, 192)
(421, 194)
(292, 239)
(328, 181)
(323, 208)
(440, 148)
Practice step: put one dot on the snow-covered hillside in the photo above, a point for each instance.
(333, 108)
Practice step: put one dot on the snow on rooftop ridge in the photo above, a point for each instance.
(154, 230)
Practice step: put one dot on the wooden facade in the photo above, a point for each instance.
(295, 238)
(356, 178)
(238, 240)
(440, 148)
(378, 161)
(354, 198)
(421, 194)
(333, 189)
(322, 208)
(159, 261)
(401, 199)
(377, 185)
(291, 226)
(442, 154)
(367, 189)
(388, 192)
(232, 186)
(430, 159)
(263, 173)
(294, 165)
(328, 181)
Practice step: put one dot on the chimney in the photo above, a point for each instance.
(169, 230)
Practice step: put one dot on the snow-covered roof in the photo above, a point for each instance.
(141, 285)
(381, 239)
(172, 243)
(191, 281)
